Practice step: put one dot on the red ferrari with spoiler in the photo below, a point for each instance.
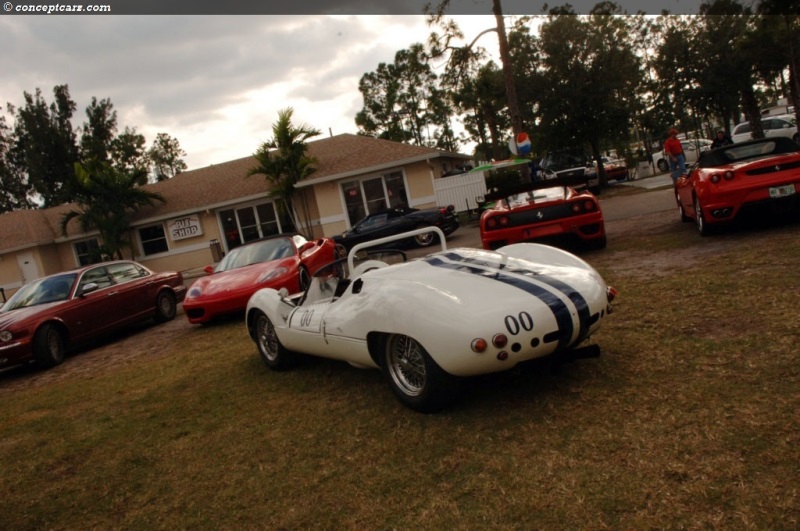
(544, 211)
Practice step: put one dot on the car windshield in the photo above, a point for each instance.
(747, 151)
(564, 159)
(42, 291)
(256, 253)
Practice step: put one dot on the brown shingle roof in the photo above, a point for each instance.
(218, 184)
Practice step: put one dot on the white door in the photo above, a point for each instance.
(28, 267)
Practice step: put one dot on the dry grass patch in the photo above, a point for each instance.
(688, 420)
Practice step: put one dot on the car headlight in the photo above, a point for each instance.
(272, 274)
(194, 292)
(5, 336)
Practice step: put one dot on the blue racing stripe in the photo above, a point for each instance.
(556, 305)
(584, 314)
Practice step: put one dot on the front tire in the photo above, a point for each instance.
(49, 346)
(415, 379)
(272, 352)
(166, 307)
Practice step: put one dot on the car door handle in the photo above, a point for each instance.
(111, 293)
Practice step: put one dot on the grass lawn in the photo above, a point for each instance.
(688, 420)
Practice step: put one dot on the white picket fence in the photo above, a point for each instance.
(460, 190)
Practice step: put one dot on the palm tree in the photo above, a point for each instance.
(107, 199)
(284, 162)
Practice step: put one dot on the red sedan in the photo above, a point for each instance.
(544, 212)
(43, 318)
(286, 261)
(757, 177)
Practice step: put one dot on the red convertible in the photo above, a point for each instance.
(545, 211)
(285, 261)
(726, 184)
(43, 318)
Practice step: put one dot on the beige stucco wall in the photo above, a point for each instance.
(325, 209)
(329, 199)
(421, 193)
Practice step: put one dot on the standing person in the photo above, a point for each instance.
(674, 152)
(721, 140)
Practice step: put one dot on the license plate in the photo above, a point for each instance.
(781, 191)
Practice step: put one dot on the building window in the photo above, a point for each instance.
(246, 224)
(373, 194)
(88, 252)
(154, 240)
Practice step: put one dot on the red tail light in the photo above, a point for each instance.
(611, 294)
(729, 175)
(500, 340)
(479, 345)
(589, 205)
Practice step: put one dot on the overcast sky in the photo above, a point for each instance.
(216, 83)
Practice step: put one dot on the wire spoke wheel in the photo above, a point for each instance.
(272, 352)
(267, 338)
(406, 364)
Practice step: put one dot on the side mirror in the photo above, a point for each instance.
(88, 288)
(209, 270)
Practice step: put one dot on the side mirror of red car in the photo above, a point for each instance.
(209, 270)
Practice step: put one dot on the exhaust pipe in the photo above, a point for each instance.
(589, 351)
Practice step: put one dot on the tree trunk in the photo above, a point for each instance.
(508, 74)
(753, 112)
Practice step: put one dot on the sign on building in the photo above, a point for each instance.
(185, 227)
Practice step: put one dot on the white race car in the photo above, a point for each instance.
(428, 322)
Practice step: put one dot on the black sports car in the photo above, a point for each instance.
(396, 220)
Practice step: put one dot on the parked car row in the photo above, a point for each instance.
(313, 297)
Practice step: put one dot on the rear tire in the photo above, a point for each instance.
(700, 219)
(49, 346)
(272, 352)
(166, 307)
(304, 280)
(339, 251)
(414, 378)
(425, 239)
(684, 217)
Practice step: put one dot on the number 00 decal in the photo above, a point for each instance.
(523, 321)
(305, 319)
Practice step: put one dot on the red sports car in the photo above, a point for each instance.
(728, 183)
(43, 318)
(616, 170)
(285, 261)
(547, 211)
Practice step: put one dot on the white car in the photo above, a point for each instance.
(784, 125)
(427, 323)
(691, 148)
